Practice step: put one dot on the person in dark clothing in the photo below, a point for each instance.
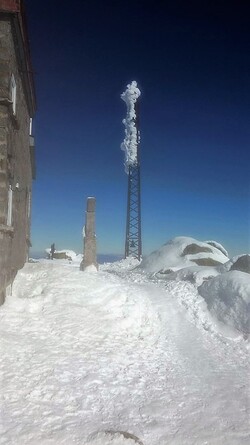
(52, 251)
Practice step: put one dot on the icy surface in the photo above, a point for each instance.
(82, 354)
(130, 143)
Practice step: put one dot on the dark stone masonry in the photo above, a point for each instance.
(17, 167)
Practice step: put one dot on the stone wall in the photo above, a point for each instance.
(15, 163)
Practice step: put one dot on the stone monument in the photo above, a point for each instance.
(89, 236)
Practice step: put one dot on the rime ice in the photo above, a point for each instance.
(129, 145)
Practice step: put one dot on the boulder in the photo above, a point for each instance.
(62, 256)
(242, 264)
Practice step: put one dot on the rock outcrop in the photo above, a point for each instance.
(242, 264)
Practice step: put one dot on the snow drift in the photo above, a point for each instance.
(113, 358)
(224, 284)
(228, 299)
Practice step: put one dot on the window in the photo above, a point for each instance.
(9, 213)
(28, 204)
(13, 93)
(30, 126)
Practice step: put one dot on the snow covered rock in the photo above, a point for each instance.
(182, 252)
(238, 262)
(242, 264)
(64, 255)
(228, 299)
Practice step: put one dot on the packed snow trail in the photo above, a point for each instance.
(83, 353)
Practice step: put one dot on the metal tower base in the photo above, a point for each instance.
(133, 244)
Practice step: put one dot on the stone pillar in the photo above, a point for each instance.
(89, 251)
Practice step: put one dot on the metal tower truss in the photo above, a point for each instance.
(133, 245)
(131, 146)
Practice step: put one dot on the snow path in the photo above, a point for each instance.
(83, 353)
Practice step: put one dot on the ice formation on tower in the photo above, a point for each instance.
(129, 145)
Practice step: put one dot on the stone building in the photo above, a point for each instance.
(17, 166)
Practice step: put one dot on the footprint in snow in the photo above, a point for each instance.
(113, 438)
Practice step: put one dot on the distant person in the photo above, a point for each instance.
(52, 251)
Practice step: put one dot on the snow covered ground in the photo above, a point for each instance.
(88, 355)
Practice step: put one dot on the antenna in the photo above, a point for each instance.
(131, 147)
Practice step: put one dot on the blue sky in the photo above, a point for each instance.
(191, 64)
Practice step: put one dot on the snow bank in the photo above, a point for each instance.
(228, 299)
(85, 357)
(182, 252)
(129, 145)
(193, 274)
(127, 264)
(223, 283)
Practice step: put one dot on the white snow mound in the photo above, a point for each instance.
(174, 255)
(228, 299)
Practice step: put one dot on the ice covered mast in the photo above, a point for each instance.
(131, 146)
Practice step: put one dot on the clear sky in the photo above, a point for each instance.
(192, 65)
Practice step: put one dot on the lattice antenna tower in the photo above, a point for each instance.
(131, 147)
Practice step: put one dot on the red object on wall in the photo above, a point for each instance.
(10, 5)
